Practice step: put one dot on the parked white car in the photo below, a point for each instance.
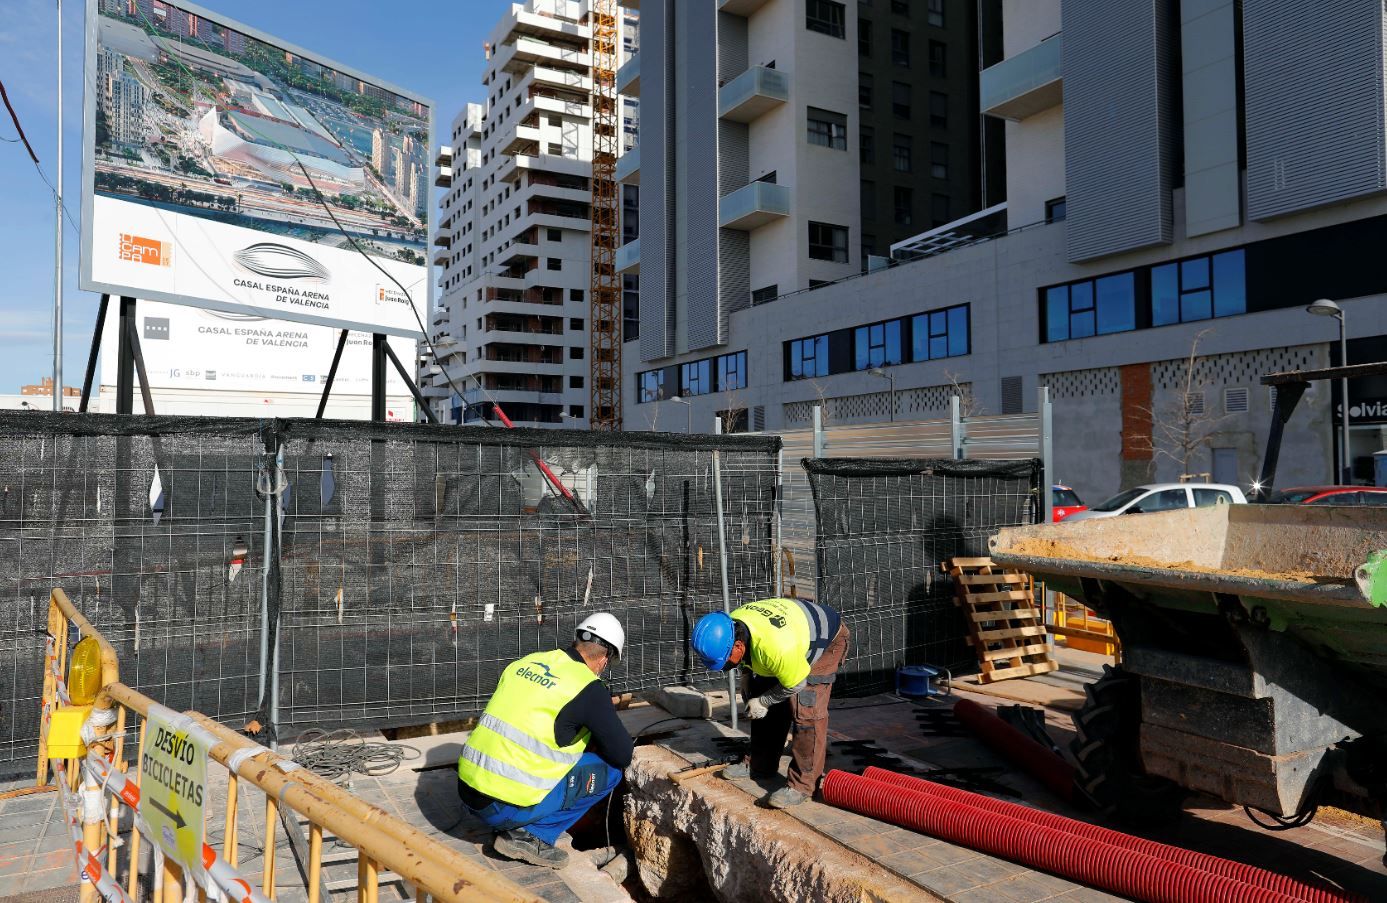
(1163, 497)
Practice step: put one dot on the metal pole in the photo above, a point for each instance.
(818, 431)
(956, 427)
(274, 661)
(688, 418)
(58, 239)
(892, 377)
(1347, 466)
(722, 566)
(1047, 453)
(91, 356)
(776, 549)
(265, 584)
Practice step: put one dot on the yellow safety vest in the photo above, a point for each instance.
(512, 755)
(779, 639)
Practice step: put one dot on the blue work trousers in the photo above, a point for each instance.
(583, 787)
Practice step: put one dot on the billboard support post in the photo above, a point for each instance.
(130, 362)
(91, 356)
(413, 386)
(331, 375)
(378, 347)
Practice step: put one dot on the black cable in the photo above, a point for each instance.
(1281, 822)
(339, 754)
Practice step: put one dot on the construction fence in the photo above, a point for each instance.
(380, 574)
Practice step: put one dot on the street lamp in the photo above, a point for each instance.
(1326, 308)
(688, 412)
(564, 415)
(877, 371)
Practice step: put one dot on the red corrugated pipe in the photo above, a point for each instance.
(1028, 755)
(1240, 871)
(1090, 862)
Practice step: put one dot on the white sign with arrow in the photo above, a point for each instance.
(173, 784)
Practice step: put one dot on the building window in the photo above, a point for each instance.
(864, 91)
(878, 345)
(900, 48)
(828, 242)
(808, 357)
(554, 234)
(575, 353)
(828, 129)
(939, 208)
(905, 205)
(939, 160)
(938, 109)
(1198, 289)
(575, 294)
(900, 153)
(938, 59)
(864, 37)
(900, 100)
(576, 382)
(1091, 307)
(826, 17)
(934, 13)
(817, 283)
(765, 294)
(575, 324)
(695, 378)
(867, 145)
(652, 385)
(900, 7)
(1055, 210)
(553, 263)
(940, 334)
(732, 371)
(869, 249)
(868, 201)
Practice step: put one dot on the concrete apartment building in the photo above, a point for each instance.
(1191, 173)
(514, 238)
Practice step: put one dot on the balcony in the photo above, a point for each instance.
(440, 258)
(740, 7)
(628, 167)
(526, 52)
(443, 238)
(525, 137)
(628, 257)
(628, 77)
(543, 25)
(444, 177)
(445, 156)
(752, 94)
(562, 78)
(510, 169)
(753, 206)
(1025, 84)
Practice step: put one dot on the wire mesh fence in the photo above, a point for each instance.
(883, 527)
(408, 563)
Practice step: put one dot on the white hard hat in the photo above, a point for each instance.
(605, 627)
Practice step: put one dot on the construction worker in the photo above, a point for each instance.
(549, 745)
(792, 649)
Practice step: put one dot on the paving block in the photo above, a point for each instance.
(683, 702)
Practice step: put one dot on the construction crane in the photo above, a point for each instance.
(604, 410)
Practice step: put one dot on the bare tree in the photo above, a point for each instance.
(826, 410)
(1184, 428)
(967, 404)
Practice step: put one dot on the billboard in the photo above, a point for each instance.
(194, 348)
(227, 169)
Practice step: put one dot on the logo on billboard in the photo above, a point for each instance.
(278, 261)
(156, 328)
(138, 249)
(390, 295)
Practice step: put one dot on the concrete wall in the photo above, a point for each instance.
(1027, 23)
(1035, 166)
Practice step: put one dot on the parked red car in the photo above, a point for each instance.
(1330, 495)
(1066, 502)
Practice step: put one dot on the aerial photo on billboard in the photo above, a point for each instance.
(229, 170)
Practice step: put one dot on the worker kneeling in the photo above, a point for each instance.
(793, 650)
(549, 745)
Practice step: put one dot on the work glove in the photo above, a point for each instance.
(755, 709)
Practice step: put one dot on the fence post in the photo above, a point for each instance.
(777, 552)
(274, 653)
(1047, 453)
(722, 565)
(818, 431)
(265, 544)
(956, 426)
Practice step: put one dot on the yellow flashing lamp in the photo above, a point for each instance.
(84, 672)
(65, 731)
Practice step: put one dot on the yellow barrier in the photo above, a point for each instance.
(1077, 626)
(383, 843)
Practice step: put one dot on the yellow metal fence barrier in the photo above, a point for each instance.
(96, 786)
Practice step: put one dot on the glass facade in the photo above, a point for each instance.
(809, 357)
(927, 336)
(878, 345)
(732, 371)
(652, 385)
(695, 377)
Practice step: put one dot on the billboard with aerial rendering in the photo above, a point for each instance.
(229, 170)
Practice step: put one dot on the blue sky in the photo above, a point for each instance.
(430, 47)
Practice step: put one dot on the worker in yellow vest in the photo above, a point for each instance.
(549, 745)
(792, 649)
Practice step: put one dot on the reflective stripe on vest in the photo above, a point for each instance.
(512, 755)
(818, 629)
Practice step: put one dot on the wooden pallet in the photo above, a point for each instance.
(1005, 625)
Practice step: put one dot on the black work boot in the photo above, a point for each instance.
(521, 844)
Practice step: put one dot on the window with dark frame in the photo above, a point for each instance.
(554, 234)
(828, 242)
(1199, 288)
(900, 152)
(904, 202)
(868, 200)
(828, 129)
(732, 371)
(1055, 210)
(864, 90)
(695, 378)
(900, 48)
(900, 100)
(938, 59)
(1091, 307)
(553, 263)
(940, 334)
(808, 357)
(878, 345)
(826, 17)
(939, 208)
(764, 294)
(866, 144)
(938, 109)
(652, 385)
(900, 7)
(938, 160)
(934, 13)
(864, 37)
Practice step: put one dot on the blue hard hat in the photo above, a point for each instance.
(713, 636)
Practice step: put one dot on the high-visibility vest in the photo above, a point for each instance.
(512, 755)
(783, 641)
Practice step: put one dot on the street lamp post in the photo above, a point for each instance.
(688, 412)
(877, 371)
(1326, 308)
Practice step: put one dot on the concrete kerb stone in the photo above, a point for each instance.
(682, 702)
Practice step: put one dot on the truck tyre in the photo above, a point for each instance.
(1108, 770)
